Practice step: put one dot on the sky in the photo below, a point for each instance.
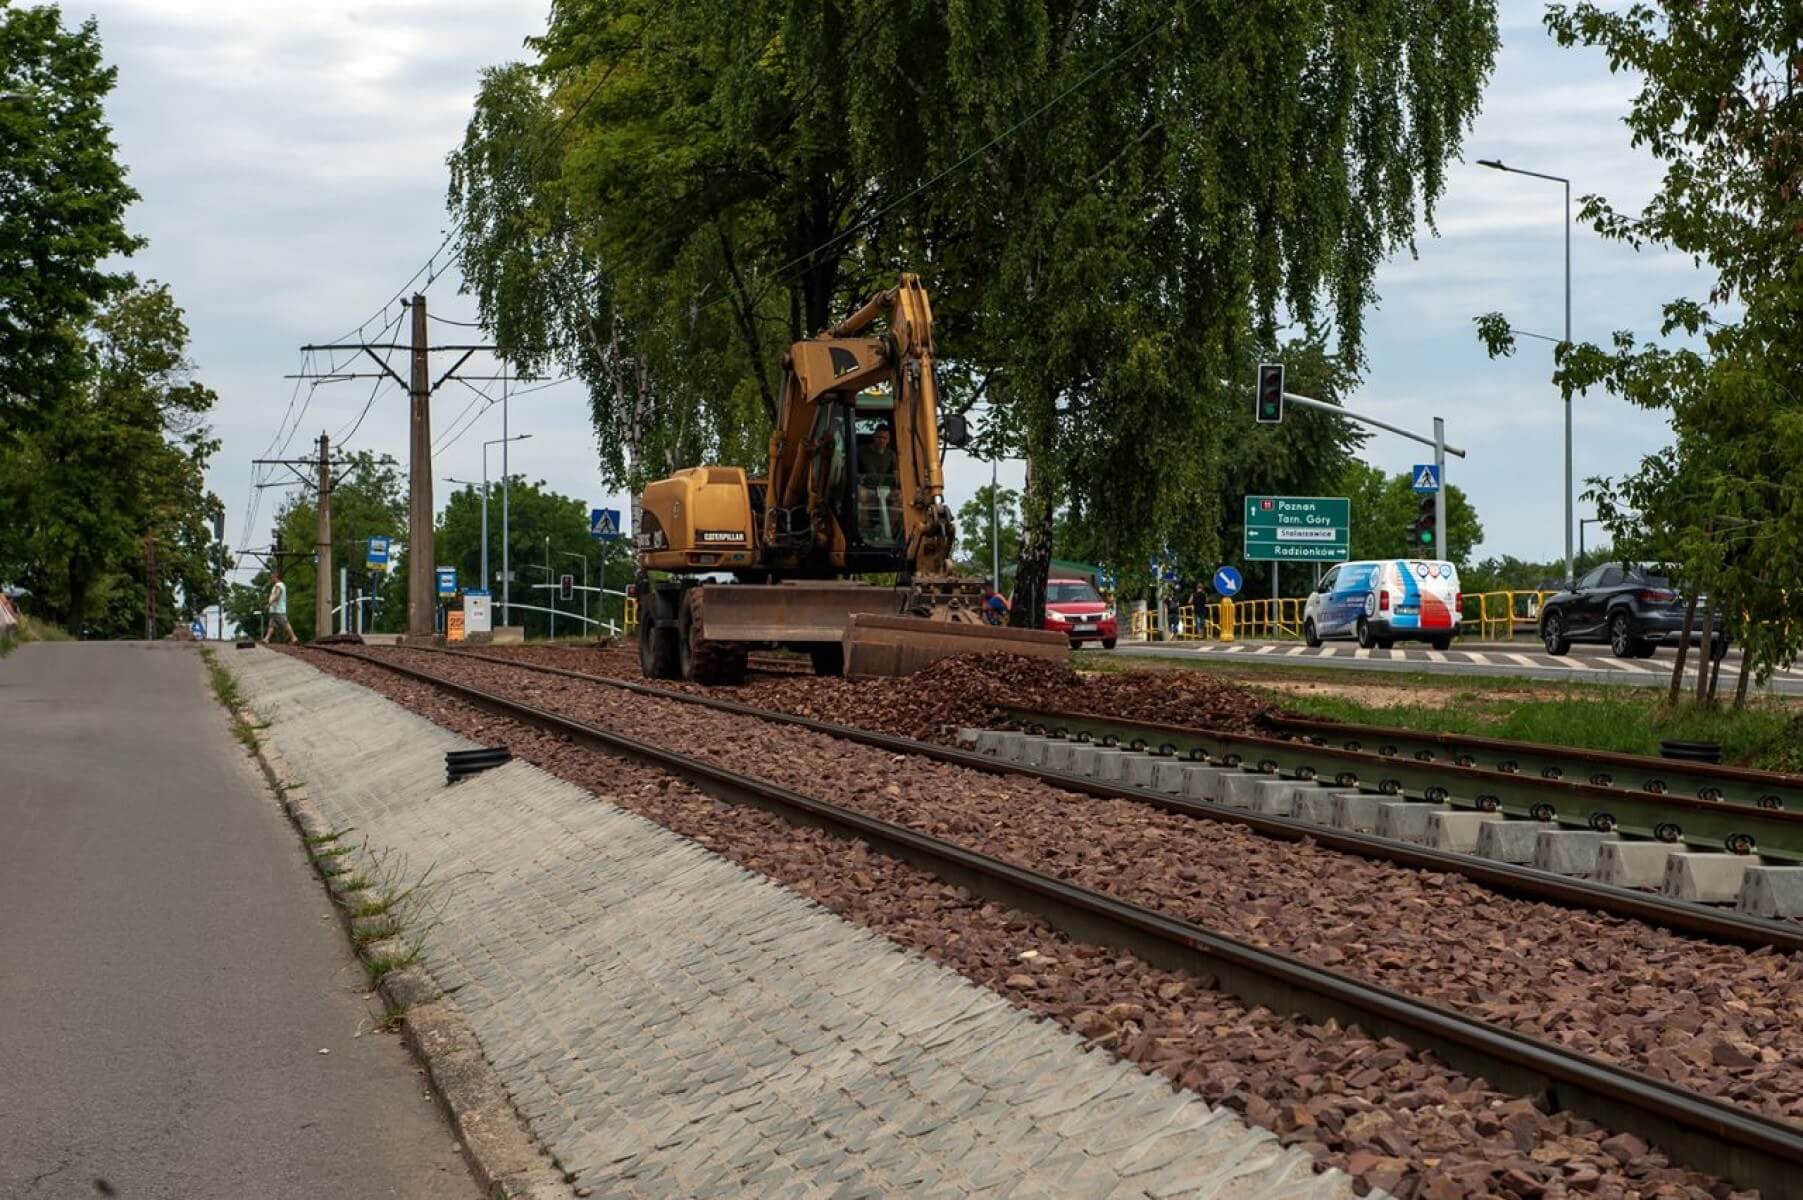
(291, 162)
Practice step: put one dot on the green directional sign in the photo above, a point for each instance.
(1298, 528)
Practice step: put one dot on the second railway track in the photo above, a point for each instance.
(1751, 1149)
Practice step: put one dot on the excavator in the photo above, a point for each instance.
(854, 488)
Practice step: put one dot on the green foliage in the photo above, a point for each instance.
(116, 459)
(370, 500)
(1719, 107)
(63, 197)
(1111, 206)
(1384, 507)
(975, 528)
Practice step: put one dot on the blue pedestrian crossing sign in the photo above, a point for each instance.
(1228, 582)
(604, 524)
(198, 628)
(1427, 478)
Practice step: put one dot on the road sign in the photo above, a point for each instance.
(604, 524)
(1228, 582)
(198, 628)
(376, 557)
(566, 586)
(1298, 528)
(1427, 478)
(1163, 570)
(447, 581)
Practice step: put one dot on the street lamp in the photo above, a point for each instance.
(1581, 524)
(505, 610)
(1496, 164)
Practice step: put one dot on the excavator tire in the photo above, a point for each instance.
(658, 656)
(703, 660)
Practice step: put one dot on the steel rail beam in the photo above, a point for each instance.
(1742, 1146)
(1709, 782)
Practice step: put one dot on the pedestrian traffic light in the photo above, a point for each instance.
(1269, 407)
(1421, 533)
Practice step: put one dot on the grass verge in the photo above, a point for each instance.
(30, 629)
(225, 690)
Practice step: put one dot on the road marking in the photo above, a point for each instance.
(1235, 648)
(1435, 656)
(1399, 654)
(1361, 652)
(1328, 651)
(1521, 659)
(1265, 649)
(1624, 665)
(1483, 660)
(1293, 651)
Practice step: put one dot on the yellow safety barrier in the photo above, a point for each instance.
(1267, 618)
(1503, 615)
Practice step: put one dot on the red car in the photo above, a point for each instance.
(1074, 608)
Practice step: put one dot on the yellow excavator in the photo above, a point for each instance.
(855, 487)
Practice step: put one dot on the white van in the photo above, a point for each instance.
(1384, 601)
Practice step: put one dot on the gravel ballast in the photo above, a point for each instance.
(1387, 1115)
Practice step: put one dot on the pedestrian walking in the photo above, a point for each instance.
(278, 611)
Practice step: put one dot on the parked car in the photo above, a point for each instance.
(1074, 608)
(1632, 610)
(1385, 601)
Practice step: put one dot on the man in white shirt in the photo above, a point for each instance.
(278, 611)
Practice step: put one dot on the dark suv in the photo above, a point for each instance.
(1624, 606)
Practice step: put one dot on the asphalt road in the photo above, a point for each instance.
(169, 967)
(1522, 660)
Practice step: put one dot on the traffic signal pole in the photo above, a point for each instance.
(1440, 492)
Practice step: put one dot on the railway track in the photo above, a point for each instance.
(1508, 878)
(1750, 1149)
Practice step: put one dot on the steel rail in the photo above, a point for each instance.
(1707, 781)
(1744, 1147)
(1738, 828)
(1508, 878)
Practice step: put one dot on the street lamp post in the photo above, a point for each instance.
(1581, 524)
(1496, 164)
(500, 441)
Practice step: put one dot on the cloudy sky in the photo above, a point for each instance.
(291, 160)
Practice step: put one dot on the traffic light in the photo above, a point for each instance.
(566, 586)
(1421, 533)
(1269, 407)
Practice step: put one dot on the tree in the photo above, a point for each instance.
(981, 528)
(1111, 203)
(1720, 107)
(63, 197)
(116, 459)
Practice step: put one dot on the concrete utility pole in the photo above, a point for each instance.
(421, 555)
(322, 544)
(150, 587)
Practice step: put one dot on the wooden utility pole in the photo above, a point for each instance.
(421, 556)
(322, 544)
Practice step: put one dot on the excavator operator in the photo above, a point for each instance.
(878, 490)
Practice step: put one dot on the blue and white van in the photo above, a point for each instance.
(1385, 601)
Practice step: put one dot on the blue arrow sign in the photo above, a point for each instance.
(1227, 582)
(1427, 478)
(604, 524)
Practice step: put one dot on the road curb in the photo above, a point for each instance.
(506, 1160)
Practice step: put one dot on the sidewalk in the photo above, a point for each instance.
(180, 1016)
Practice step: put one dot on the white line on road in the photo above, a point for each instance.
(1361, 652)
(1235, 648)
(1328, 651)
(1264, 649)
(1435, 656)
(1293, 651)
(1482, 660)
(1624, 665)
(1520, 659)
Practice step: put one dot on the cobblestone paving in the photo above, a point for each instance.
(671, 1024)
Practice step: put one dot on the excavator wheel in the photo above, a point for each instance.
(658, 657)
(703, 660)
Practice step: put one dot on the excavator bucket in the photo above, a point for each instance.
(885, 645)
